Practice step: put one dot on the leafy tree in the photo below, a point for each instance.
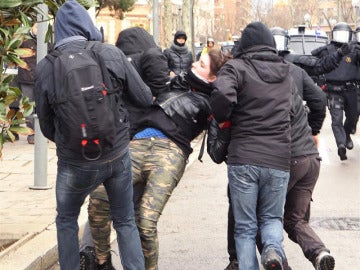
(118, 6)
(16, 17)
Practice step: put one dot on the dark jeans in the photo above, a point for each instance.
(304, 173)
(303, 177)
(73, 184)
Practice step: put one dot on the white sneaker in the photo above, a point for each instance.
(324, 261)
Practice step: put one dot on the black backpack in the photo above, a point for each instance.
(84, 101)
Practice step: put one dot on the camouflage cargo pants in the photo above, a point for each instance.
(157, 167)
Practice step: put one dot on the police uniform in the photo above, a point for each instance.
(340, 86)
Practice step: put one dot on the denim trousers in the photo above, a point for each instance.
(73, 184)
(258, 198)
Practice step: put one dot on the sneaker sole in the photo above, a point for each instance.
(327, 263)
(273, 265)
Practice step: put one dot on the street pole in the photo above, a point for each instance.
(40, 146)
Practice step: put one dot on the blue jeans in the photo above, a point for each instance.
(258, 198)
(73, 184)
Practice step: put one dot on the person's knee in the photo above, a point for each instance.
(147, 227)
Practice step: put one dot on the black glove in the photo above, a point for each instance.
(344, 49)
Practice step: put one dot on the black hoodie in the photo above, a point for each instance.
(147, 58)
(254, 93)
(73, 28)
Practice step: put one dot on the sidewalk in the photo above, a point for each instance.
(27, 216)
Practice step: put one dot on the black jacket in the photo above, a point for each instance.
(302, 142)
(312, 65)
(120, 68)
(347, 71)
(313, 95)
(181, 113)
(179, 58)
(254, 92)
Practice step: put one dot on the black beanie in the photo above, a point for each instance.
(254, 34)
(178, 34)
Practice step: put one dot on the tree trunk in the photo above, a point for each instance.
(168, 23)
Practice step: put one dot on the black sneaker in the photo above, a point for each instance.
(324, 261)
(342, 152)
(233, 265)
(272, 260)
(87, 259)
(349, 142)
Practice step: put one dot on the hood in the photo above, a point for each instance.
(178, 34)
(72, 19)
(135, 40)
(255, 34)
(269, 66)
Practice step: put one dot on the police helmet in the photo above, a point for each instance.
(341, 33)
(281, 38)
(357, 34)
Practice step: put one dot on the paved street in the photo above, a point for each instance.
(192, 229)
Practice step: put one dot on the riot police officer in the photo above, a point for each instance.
(340, 86)
(312, 65)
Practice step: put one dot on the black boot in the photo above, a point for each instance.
(349, 142)
(87, 259)
(342, 152)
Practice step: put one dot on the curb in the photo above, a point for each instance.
(38, 252)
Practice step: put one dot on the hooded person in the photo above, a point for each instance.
(77, 176)
(147, 58)
(254, 93)
(178, 55)
(160, 146)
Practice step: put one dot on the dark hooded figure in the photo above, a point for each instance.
(76, 175)
(178, 55)
(160, 146)
(254, 92)
(147, 58)
(304, 169)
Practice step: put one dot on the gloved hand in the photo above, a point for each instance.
(344, 49)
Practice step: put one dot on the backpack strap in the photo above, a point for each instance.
(52, 55)
(201, 153)
(107, 76)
